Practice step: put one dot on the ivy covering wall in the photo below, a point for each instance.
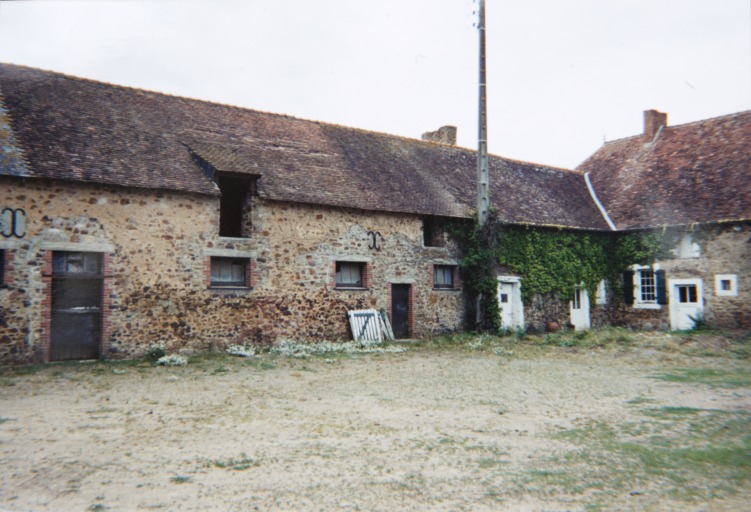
(550, 261)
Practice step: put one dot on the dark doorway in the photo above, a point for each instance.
(400, 310)
(232, 204)
(76, 305)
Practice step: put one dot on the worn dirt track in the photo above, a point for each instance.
(421, 430)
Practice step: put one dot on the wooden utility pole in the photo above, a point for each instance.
(483, 197)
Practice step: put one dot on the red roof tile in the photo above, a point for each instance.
(693, 173)
(76, 129)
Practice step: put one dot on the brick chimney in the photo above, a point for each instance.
(653, 121)
(443, 135)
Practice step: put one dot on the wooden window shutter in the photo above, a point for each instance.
(661, 285)
(628, 287)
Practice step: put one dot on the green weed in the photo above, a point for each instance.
(718, 378)
(240, 464)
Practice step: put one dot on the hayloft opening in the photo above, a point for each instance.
(234, 207)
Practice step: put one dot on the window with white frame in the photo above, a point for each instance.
(726, 285)
(645, 287)
(601, 297)
(350, 274)
(230, 272)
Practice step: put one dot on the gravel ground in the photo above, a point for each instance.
(427, 429)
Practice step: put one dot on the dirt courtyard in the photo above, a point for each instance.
(479, 425)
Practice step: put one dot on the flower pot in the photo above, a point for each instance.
(552, 327)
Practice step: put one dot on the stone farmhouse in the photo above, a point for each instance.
(130, 217)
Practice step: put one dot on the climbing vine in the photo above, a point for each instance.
(550, 261)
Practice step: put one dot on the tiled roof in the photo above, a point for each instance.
(76, 129)
(693, 173)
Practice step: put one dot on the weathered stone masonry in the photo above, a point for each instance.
(157, 249)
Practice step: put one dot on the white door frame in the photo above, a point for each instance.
(678, 310)
(515, 318)
(580, 312)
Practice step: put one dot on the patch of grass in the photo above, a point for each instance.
(671, 448)
(718, 378)
(239, 464)
(640, 400)
(180, 479)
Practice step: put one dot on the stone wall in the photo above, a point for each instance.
(724, 250)
(159, 247)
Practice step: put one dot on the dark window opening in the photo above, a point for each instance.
(229, 272)
(688, 294)
(232, 209)
(433, 233)
(726, 285)
(350, 274)
(577, 302)
(443, 276)
(2, 267)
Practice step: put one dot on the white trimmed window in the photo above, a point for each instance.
(645, 288)
(601, 297)
(726, 285)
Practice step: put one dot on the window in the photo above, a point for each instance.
(577, 302)
(687, 294)
(76, 263)
(350, 274)
(233, 205)
(443, 276)
(601, 296)
(2, 267)
(230, 272)
(645, 288)
(433, 233)
(726, 285)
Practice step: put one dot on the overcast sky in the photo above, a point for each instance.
(563, 75)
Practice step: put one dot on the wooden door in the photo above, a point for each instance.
(76, 306)
(400, 310)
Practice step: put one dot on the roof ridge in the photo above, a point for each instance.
(284, 116)
(683, 125)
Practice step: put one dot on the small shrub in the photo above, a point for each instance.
(241, 350)
(172, 360)
(700, 324)
(155, 352)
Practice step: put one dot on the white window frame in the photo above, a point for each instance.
(601, 296)
(639, 302)
(732, 292)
